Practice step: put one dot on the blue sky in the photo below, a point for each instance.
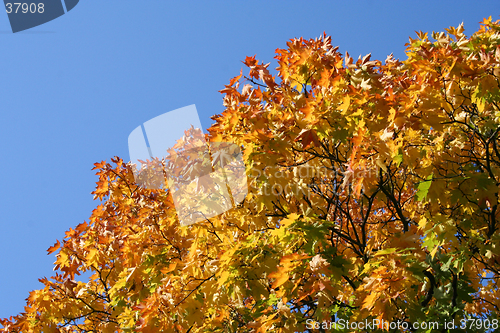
(73, 89)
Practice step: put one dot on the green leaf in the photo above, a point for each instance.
(423, 188)
(446, 266)
(398, 159)
(386, 251)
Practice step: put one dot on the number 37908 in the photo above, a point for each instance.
(24, 8)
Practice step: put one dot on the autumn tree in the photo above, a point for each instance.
(372, 194)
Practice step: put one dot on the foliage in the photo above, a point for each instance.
(373, 194)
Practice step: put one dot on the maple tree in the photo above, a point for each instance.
(372, 194)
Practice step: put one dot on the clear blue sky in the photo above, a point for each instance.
(73, 89)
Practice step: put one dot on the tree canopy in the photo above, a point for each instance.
(373, 192)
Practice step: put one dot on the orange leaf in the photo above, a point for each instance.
(307, 110)
(99, 165)
(357, 187)
(53, 248)
(250, 61)
(235, 79)
(369, 301)
(280, 276)
(308, 137)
